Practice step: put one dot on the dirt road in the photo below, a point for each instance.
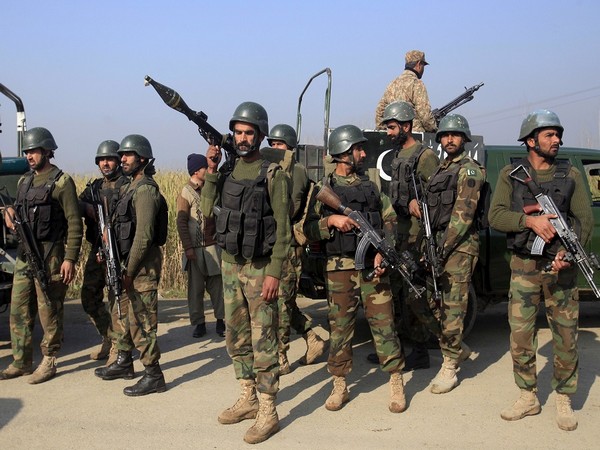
(78, 410)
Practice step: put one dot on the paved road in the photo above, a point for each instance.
(78, 410)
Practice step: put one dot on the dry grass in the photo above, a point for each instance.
(173, 281)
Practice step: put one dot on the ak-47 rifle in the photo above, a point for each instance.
(30, 249)
(431, 257)
(107, 252)
(404, 263)
(463, 98)
(574, 250)
(206, 130)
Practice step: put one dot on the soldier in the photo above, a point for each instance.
(47, 204)
(94, 277)
(347, 287)
(453, 196)
(541, 132)
(253, 227)
(138, 235)
(408, 87)
(284, 139)
(202, 259)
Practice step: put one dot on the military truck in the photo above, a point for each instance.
(11, 169)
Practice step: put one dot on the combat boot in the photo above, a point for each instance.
(102, 351)
(14, 372)
(121, 368)
(565, 417)
(417, 359)
(315, 347)
(284, 364)
(246, 406)
(446, 378)
(465, 353)
(45, 371)
(397, 398)
(267, 421)
(526, 405)
(152, 381)
(339, 395)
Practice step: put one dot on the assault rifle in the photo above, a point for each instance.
(206, 130)
(431, 257)
(574, 250)
(463, 98)
(107, 252)
(369, 236)
(30, 249)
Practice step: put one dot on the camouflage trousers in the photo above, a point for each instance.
(92, 294)
(251, 336)
(290, 315)
(123, 328)
(346, 290)
(528, 285)
(27, 300)
(454, 283)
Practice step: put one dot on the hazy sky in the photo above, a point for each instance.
(79, 66)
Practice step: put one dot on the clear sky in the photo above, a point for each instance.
(79, 66)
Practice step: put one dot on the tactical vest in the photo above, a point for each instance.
(403, 170)
(363, 197)
(36, 206)
(245, 224)
(441, 196)
(112, 196)
(560, 189)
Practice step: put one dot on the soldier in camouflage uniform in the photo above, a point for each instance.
(136, 229)
(409, 88)
(283, 139)
(94, 277)
(530, 283)
(251, 205)
(453, 196)
(347, 287)
(47, 203)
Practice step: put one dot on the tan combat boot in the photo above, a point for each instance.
(45, 371)
(14, 372)
(397, 398)
(267, 421)
(102, 351)
(565, 417)
(315, 347)
(526, 405)
(284, 364)
(446, 378)
(465, 353)
(245, 407)
(339, 395)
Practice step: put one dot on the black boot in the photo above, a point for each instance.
(152, 381)
(418, 358)
(121, 368)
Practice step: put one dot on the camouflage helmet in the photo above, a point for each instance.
(343, 138)
(456, 123)
(399, 111)
(252, 113)
(137, 144)
(540, 118)
(285, 133)
(107, 149)
(38, 138)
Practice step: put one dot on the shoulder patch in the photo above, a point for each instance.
(471, 172)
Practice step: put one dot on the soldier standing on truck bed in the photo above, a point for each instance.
(408, 87)
(541, 132)
(452, 195)
(46, 203)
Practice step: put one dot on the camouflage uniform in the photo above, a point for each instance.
(27, 296)
(251, 322)
(408, 88)
(347, 289)
(459, 243)
(530, 283)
